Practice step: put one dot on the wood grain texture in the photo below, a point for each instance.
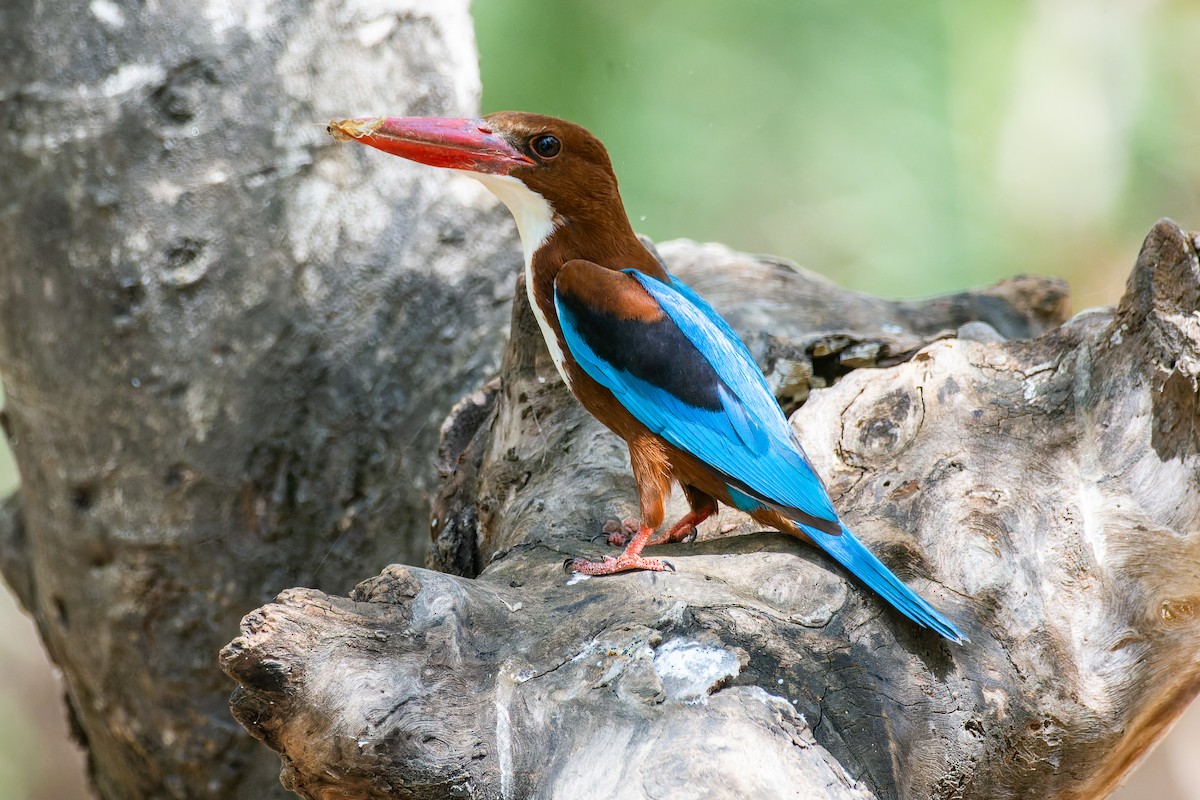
(1036, 481)
(226, 341)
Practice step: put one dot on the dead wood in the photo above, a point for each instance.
(1037, 482)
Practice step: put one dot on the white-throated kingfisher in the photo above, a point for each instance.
(640, 350)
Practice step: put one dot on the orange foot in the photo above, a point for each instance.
(630, 558)
(611, 566)
(681, 530)
(618, 534)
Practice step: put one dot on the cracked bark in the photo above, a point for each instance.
(1037, 481)
(226, 344)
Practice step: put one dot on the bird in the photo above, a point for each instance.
(639, 349)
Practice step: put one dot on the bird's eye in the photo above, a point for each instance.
(546, 146)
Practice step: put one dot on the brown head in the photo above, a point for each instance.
(551, 173)
(570, 168)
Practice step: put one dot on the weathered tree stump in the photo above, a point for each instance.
(1037, 482)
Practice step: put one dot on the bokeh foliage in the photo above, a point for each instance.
(901, 148)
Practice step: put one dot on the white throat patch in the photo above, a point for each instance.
(535, 223)
(534, 216)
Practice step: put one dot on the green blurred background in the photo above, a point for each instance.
(900, 148)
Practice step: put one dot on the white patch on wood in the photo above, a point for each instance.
(504, 691)
(251, 17)
(689, 669)
(129, 77)
(1092, 509)
(535, 223)
(375, 31)
(108, 13)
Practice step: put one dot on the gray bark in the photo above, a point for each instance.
(226, 342)
(1037, 482)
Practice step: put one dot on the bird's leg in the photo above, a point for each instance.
(630, 558)
(652, 471)
(685, 527)
(681, 530)
(619, 533)
(703, 507)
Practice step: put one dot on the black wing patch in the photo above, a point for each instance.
(657, 352)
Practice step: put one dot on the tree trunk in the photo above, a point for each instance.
(227, 343)
(1039, 484)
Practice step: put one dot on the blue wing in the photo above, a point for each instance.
(687, 377)
(684, 374)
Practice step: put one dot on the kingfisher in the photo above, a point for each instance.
(639, 349)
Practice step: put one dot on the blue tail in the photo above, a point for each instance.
(855, 557)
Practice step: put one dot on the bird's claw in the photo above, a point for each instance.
(618, 534)
(610, 565)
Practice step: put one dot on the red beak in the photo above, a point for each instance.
(468, 144)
